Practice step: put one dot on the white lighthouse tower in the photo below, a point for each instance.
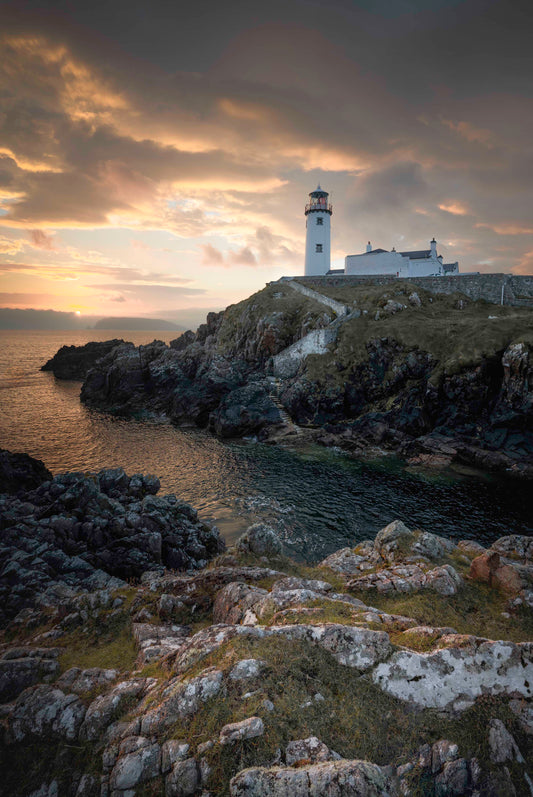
(317, 239)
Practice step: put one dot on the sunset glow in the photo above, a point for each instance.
(162, 168)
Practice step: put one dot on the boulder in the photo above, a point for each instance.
(136, 767)
(515, 546)
(246, 669)
(502, 745)
(45, 713)
(489, 569)
(238, 731)
(245, 411)
(393, 540)
(404, 578)
(336, 779)
(23, 667)
(157, 641)
(172, 751)
(260, 540)
(308, 751)
(107, 707)
(456, 675)
(78, 681)
(20, 472)
(180, 699)
(345, 561)
(183, 780)
(234, 601)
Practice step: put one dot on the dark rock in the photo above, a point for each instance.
(244, 411)
(21, 472)
(74, 362)
(79, 532)
(178, 344)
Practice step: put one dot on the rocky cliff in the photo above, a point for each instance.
(402, 666)
(74, 362)
(434, 378)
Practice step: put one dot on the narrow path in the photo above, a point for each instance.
(274, 396)
(338, 308)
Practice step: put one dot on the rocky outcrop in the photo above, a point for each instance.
(74, 362)
(244, 680)
(458, 674)
(213, 377)
(78, 532)
(363, 382)
(337, 779)
(20, 472)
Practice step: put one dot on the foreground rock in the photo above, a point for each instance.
(84, 532)
(244, 679)
(75, 362)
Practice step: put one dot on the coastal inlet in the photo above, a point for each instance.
(319, 500)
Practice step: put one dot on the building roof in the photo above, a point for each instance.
(319, 192)
(417, 255)
(450, 266)
(375, 251)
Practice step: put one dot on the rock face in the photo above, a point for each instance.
(455, 676)
(213, 377)
(391, 398)
(74, 362)
(79, 532)
(370, 389)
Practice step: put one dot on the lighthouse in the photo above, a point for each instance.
(318, 233)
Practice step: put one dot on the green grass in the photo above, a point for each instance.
(455, 338)
(241, 320)
(355, 718)
(475, 609)
(110, 646)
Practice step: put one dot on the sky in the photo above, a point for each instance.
(156, 157)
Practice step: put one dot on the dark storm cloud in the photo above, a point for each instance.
(417, 110)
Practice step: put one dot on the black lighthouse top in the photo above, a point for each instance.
(318, 201)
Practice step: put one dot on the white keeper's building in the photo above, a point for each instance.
(416, 263)
(373, 262)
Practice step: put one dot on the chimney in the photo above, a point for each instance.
(433, 245)
(369, 247)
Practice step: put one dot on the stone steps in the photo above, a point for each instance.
(285, 417)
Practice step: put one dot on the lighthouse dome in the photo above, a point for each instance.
(319, 192)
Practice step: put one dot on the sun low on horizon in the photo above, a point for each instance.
(161, 168)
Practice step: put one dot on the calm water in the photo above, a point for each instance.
(319, 500)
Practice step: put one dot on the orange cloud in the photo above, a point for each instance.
(471, 133)
(508, 228)
(455, 208)
(525, 265)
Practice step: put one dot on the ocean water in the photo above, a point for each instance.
(319, 500)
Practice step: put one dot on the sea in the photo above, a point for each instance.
(318, 499)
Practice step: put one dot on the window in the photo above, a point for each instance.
(320, 220)
(319, 247)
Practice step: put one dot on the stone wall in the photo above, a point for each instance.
(287, 362)
(338, 308)
(517, 290)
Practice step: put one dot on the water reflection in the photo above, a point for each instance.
(318, 500)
